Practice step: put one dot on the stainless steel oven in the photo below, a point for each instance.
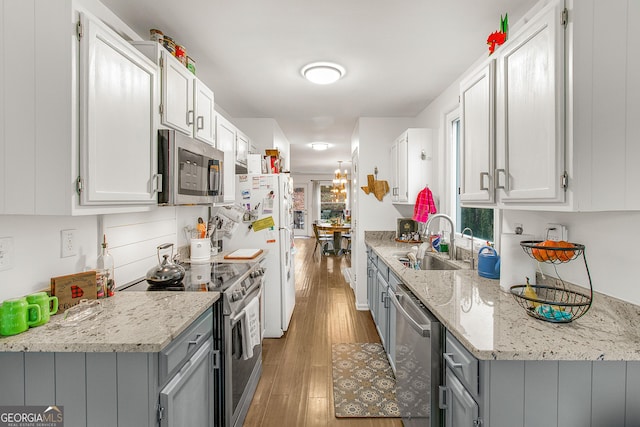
(242, 360)
(191, 171)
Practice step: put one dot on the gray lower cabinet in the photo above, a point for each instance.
(173, 387)
(371, 280)
(382, 302)
(189, 394)
(380, 281)
(460, 408)
(532, 393)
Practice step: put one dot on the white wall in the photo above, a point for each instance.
(36, 251)
(373, 141)
(132, 240)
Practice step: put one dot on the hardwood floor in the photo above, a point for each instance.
(296, 386)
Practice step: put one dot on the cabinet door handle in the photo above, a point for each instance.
(190, 117)
(157, 183)
(200, 122)
(482, 175)
(382, 296)
(197, 341)
(505, 186)
(448, 358)
(395, 191)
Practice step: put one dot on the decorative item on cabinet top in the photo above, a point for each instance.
(499, 37)
(378, 188)
(178, 51)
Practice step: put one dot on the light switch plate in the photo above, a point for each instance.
(556, 232)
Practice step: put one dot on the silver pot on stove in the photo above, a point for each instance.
(166, 273)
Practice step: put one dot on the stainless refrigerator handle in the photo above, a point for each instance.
(423, 330)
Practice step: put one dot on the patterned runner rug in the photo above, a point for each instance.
(363, 382)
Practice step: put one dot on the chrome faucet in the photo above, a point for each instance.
(471, 259)
(452, 246)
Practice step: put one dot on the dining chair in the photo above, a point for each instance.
(322, 239)
(347, 237)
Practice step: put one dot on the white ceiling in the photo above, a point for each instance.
(399, 56)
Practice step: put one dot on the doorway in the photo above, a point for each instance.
(300, 209)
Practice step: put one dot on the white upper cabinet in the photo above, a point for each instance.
(71, 113)
(530, 117)
(242, 148)
(603, 96)
(513, 119)
(176, 110)
(205, 125)
(477, 135)
(187, 103)
(226, 141)
(411, 166)
(117, 87)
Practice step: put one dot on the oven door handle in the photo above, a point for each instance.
(255, 290)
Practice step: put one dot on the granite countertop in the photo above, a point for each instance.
(491, 324)
(129, 322)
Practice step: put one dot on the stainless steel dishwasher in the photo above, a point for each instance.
(418, 360)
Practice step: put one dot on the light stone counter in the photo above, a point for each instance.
(491, 324)
(129, 322)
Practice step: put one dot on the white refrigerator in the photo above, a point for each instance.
(268, 225)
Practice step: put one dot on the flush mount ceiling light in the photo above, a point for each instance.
(319, 146)
(322, 73)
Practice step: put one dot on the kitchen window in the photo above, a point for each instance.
(330, 208)
(480, 220)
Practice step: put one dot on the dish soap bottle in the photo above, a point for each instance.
(105, 267)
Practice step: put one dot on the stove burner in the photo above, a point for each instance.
(177, 287)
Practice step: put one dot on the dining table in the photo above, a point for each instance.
(336, 230)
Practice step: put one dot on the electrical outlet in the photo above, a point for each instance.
(6, 253)
(556, 232)
(68, 243)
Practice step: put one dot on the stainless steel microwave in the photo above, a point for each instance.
(191, 170)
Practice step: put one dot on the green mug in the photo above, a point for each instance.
(15, 316)
(48, 306)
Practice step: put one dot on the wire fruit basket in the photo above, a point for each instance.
(553, 303)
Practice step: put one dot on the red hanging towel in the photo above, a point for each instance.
(424, 206)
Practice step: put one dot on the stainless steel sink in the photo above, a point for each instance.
(433, 263)
(428, 262)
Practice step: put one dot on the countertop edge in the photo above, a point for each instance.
(52, 337)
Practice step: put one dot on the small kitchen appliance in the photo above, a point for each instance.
(191, 171)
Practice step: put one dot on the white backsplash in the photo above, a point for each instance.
(132, 238)
(611, 247)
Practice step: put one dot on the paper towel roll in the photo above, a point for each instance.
(515, 264)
